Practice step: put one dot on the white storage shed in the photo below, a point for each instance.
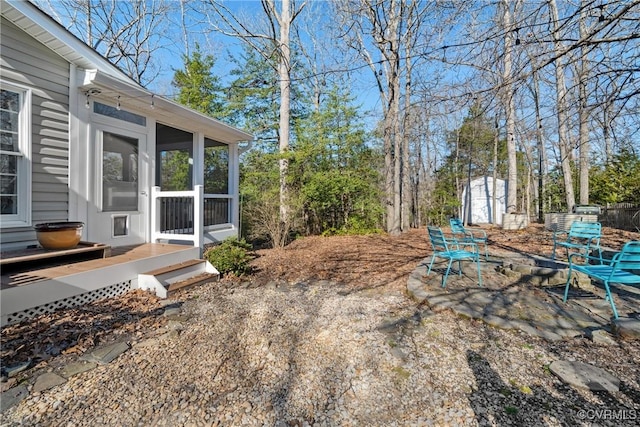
(479, 210)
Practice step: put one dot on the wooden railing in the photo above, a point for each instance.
(185, 215)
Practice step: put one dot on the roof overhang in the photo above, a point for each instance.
(141, 101)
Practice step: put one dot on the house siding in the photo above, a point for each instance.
(27, 62)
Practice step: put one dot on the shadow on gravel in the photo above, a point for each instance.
(496, 403)
(74, 330)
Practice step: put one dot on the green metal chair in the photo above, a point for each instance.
(450, 249)
(467, 234)
(619, 270)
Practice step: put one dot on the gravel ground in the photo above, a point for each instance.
(320, 353)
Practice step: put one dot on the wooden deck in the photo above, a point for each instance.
(42, 286)
(46, 267)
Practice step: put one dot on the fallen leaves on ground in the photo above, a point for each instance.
(380, 262)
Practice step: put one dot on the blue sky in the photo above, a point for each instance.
(362, 84)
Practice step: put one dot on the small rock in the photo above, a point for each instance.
(12, 371)
(586, 376)
(175, 325)
(47, 381)
(172, 311)
(151, 342)
(167, 303)
(170, 335)
(627, 328)
(600, 336)
(76, 368)
(12, 397)
(106, 354)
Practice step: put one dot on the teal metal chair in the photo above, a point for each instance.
(450, 249)
(582, 236)
(467, 234)
(619, 270)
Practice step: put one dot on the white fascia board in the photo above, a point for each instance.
(165, 110)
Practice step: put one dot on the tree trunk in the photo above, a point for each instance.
(396, 227)
(584, 113)
(541, 151)
(285, 104)
(512, 163)
(405, 166)
(561, 101)
(494, 190)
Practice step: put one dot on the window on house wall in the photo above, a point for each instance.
(15, 148)
(127, 116)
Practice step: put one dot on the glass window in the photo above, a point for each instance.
(127, 116)
(15, 175)
(119, 173)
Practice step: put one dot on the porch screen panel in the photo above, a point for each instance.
(216, 167)
(216, 182)
(119, 173)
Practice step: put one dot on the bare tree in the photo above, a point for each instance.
(129, 34)
(562, 106)
(271, 41)
(512, 165)
(390, 30)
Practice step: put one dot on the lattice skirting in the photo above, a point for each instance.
(74, 301)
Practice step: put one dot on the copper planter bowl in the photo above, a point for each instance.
(59, 235)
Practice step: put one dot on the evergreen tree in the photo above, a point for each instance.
(476, 140)
(199, 88)
(618, 181)
(333, 172)
(252, 99)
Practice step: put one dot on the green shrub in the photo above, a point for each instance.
(230, 256)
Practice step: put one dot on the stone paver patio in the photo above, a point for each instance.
(525, 293)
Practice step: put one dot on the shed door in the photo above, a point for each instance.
(119, 207)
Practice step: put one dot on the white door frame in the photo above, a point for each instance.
(102, 227)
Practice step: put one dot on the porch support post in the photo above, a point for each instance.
(155, 213)
(198, 216)
(234, 187)
(198, 159)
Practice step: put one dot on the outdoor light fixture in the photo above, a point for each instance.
(118, 104)
(153, 105)
(88, 93)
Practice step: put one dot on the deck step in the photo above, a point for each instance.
(168, 279)
(175, 267)
(195, 280)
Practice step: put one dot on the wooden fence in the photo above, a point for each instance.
(625, 216)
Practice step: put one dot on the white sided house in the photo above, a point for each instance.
(81, 141)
